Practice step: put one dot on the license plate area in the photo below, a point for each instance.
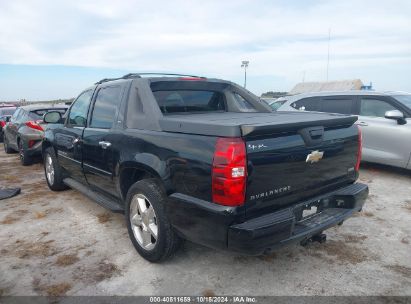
(308, 210)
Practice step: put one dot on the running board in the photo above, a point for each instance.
(97, 197)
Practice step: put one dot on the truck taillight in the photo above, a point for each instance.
(34, 125)
(359, 151)
(229, 176)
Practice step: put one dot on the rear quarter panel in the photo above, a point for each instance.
(182, 161)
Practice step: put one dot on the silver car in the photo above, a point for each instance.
(384, 118)
(25, 129)
(274, 103)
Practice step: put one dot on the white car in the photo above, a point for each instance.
(384, 118)
(275, 103)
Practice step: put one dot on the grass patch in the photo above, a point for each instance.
(38, 249)
(105, 271)
(351, 238)
(9, 219)
(42, 214)
(402, 270)
(57, 289)
(104, 217)
(13, 217)
(66, 260)
(340, 251)
(208, 293)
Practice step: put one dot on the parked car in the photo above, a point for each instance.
(384, 119)
(207, 161)
(8, 105)
(25, 130)
(5, 114)
(274, 103)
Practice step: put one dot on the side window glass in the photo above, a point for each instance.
(105, 106)
(79, 109)
(374, 107)
(336, 105)
(243, 104)
(306, 104)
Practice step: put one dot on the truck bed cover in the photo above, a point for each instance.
(230, 124)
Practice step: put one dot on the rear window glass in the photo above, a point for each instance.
(38, 114)
(180, 101)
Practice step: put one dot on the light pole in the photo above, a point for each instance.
(244, 64)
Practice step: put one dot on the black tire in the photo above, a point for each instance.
(56, 184)
(7, 149)
(167, 241)
(25, 158)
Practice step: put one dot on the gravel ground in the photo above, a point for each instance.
(63, 243)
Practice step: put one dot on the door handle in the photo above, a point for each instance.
(76, 140)
(362, 123)
(104, 144)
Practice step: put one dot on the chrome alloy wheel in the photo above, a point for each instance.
(143, 222)
(49, 169)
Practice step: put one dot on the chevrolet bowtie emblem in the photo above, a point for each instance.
(314, 156)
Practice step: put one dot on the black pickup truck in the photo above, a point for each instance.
(187, 157)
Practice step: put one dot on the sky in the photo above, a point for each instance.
(54, 49)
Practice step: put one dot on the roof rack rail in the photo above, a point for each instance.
(138, 75)
(107, 79)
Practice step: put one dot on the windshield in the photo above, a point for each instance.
(404, 99)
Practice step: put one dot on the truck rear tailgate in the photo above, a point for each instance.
(285, 168)
(291, 155)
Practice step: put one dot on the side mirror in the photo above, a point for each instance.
(396, 115)
(52, 117)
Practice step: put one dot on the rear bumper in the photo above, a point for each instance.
(212, 225)
(32, 143)
(35, 150)
(269, 231)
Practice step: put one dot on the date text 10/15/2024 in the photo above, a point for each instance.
(203, 299)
